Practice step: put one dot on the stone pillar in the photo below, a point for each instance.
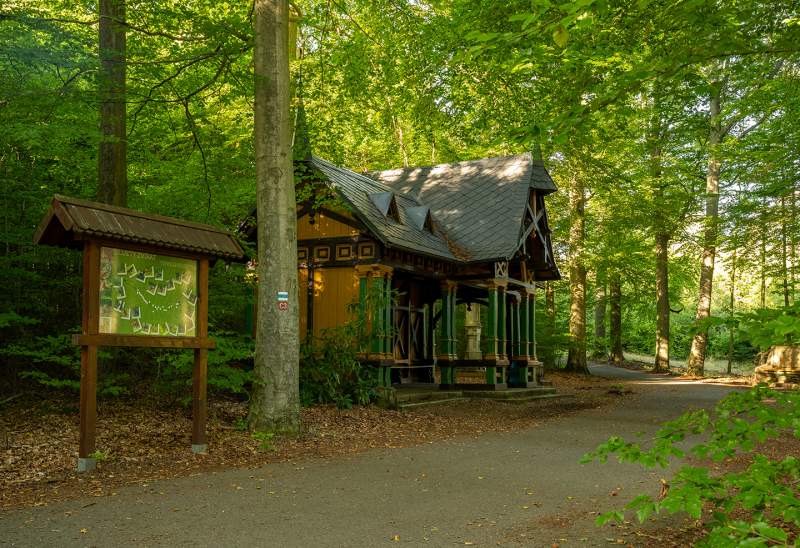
(472, 326)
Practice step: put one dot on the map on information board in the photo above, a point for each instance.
(147, 294)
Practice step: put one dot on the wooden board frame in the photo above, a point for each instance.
(91, 339)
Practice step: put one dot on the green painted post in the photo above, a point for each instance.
(388, 323)
(501, 323)
(532, 304)
(516, 321)
(490, 333)
(362, 304)
(444, 344)
(524, 329)
(378, 317)
(453, 313)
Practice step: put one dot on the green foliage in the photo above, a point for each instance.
(99, 455)
(769, 327)
(11, 319)
(763, 327)
(264, 439)
(766, 491)
(330, 371)
(229, 368)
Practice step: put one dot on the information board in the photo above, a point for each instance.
(147, 294)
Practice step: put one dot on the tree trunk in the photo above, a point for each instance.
(662, 302)
(662, 238)
(112, 175)
(549, 355)
(763, 261)
(793, 244)
(275, 406)
(600, 346)
(576, 359)
(615, 319)
(784, 255)
(697, 354)
(732, 306)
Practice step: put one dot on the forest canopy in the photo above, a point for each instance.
(671, 129)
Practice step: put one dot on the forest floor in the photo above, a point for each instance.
(141, 440)
(468, 473)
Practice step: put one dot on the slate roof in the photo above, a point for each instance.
(356, 190)
(70, 217)
(479, 205)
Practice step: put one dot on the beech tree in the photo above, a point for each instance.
(112, 166)
(275, 406)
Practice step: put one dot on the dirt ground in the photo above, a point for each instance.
(140, 440)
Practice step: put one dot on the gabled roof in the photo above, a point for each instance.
(70, 220)
(480, 205)
(356, 190)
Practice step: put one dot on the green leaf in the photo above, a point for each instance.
(561, 36)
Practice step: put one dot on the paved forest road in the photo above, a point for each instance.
(524, 487)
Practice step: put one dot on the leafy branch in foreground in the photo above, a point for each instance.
(764, 495)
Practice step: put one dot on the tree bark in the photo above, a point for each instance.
(697, 354)
(112, 175)
(662, 302)
(615, 319)
(784, 255)
(576, 358)
(793, 243)
(600, 345)
(763, 261)
(662, 238)
(275, 406)
(732, 307)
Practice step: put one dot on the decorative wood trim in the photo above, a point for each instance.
(366, 251)
(344, 251)
(322, 253)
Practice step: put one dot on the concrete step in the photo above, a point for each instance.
(404, 397)
(510, 394)
(428, 403)
(539, 397)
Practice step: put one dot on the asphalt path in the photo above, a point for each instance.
(521, 488)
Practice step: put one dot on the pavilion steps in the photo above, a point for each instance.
(409, 398)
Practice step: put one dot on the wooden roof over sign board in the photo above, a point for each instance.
(70, 221)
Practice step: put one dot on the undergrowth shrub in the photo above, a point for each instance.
(330, 371)
(230, 368)
(757, 507)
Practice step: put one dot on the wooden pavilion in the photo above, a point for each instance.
(430, 239)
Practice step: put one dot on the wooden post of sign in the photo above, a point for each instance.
(91, 326)
(199, 378)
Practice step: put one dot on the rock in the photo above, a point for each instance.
(779, 365)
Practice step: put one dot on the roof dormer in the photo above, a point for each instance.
(420, 217)
(386, 204)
